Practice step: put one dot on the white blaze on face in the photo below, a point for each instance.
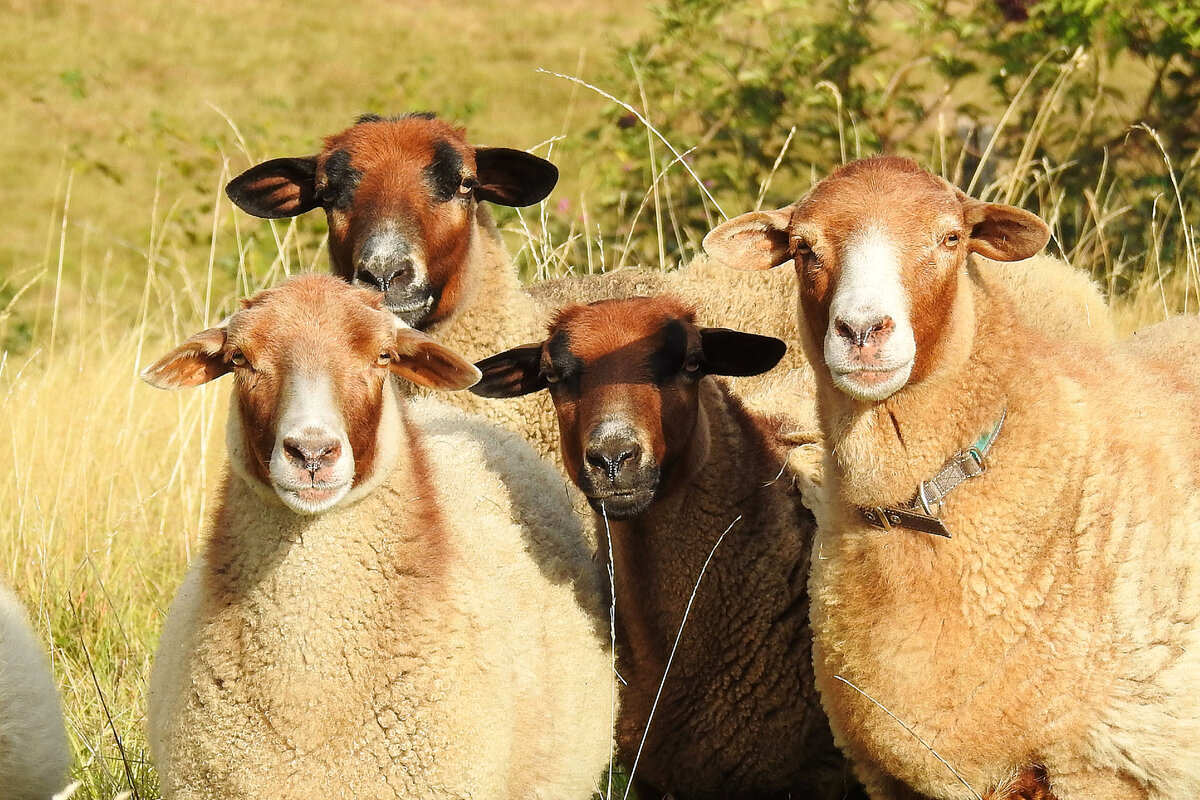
(868, 293)
(308, 410)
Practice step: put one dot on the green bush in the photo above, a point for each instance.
(1028, 102)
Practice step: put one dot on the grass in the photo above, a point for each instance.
(122, 244)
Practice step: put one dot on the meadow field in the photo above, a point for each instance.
(122, 122)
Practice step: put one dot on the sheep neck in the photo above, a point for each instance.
(659, 556)
(880, 452)
(254, 535)
(492, 295)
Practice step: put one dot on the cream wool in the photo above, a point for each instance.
(1056, 633)
(1064, 633)
(459, 653)
(395, 599)
(34, 754)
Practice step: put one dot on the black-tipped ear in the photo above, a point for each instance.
(512, 373)
(281, 187)
(736, 353)
(512, 177)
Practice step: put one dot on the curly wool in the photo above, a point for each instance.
(1059, 627)
(440, 638)
(739, 716)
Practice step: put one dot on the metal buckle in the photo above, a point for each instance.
(878, 517)
(977, 457)
(924, 501)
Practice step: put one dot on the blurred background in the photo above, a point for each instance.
(123, 120)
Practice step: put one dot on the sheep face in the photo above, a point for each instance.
(878, 248)
(625, 379)
(400, 196)
(311, 416)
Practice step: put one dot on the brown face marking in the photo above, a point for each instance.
(627, 366)
(916, 209)
(407, 177)
(314, 325)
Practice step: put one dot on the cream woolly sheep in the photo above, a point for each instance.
(395, 600)
(34, 754)
(1053, 641)
(677, 465)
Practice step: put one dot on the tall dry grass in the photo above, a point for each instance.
(107, 482)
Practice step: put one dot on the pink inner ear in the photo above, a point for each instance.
(754, 241)
(1005, 233)
(196, 361)
(426, 363)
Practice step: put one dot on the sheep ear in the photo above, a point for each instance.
(281, 187)
(422, 360)
(512, 373)
(512, 177)
(758, 240)
(198, 360)
(736, 353)
(1004, 233)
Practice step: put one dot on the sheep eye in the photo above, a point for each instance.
(802, 249)
(692, 365)
(237, 358)
(950, 240)
(384, 359)
(552, 377)
(467, 186)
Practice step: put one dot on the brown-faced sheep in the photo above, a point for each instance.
(34, 755)
(1055, 635)
(404, 200)
(689, 485)
(394, 600)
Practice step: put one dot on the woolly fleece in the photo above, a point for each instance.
(1059, 626)
(381, 650)
(739, 715)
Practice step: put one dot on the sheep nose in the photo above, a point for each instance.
(312, 451)
(384, 260)
(609, 456)
(863, 333)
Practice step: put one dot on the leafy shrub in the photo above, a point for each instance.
(1027, 102)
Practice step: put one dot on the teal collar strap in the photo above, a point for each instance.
(922, 513)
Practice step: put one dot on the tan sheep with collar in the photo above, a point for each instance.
(1054, 642)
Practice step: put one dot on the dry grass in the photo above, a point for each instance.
(129, 247)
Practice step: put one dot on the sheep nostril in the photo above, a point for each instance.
(369, 278)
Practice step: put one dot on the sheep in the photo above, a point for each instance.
(394, 599)
(674, 465)
(403, 198)
(1051, 644)
(34, 754)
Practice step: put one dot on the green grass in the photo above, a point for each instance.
(123, 121)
